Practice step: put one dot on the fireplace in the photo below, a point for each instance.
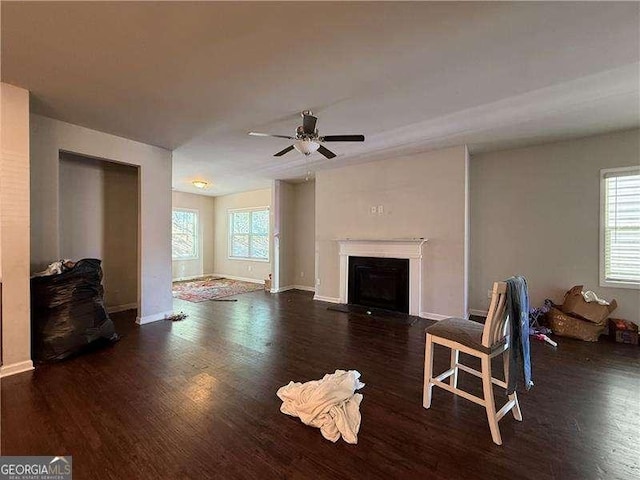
(406, 249)
(379, 283)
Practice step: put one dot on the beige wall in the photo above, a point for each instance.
(223, 265)
(48, 137)
(423, 195)
(14, 229)
(304, 237)
(535, 211)
(99, 219)
(204, 265)
(287, 232)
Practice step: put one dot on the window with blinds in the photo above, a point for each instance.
(184, 234)
(249, 234)
(620, 227)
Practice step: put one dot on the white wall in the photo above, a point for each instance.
(99, 219)
(204, 265)
(14, 229)
(535, 211)
(48, 138)
(223, 265)
(423, 195)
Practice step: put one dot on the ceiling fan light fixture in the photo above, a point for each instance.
(306, 146)
(201, 184)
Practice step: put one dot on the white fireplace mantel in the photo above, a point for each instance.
(410, 248)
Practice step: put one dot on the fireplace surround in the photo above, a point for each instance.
(405, 248)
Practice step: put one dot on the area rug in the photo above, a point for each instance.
(204, 289)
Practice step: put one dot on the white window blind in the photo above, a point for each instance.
(621, 227)
(184, 235)
(249, 234)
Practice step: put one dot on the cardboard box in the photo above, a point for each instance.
(565, 325)
(267, 284)
(575, 305)
(623, 332)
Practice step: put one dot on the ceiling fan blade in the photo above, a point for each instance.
(342, 138)
(309, 123)
(282, 152)
(256, 134)
(326, 152)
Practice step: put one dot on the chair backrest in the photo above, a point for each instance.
(497, 323)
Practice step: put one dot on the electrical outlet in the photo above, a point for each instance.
(317, 281)
(249, 268)
(301, 274)
(380, 209)
(374, 210)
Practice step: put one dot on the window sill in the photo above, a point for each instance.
(248, 259)
(613, 284)
(184, 259)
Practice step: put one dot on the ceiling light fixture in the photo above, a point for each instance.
(306, 146)
(200, 184)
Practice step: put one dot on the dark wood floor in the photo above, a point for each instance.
(196, 399)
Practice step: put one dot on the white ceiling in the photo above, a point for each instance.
(196, 77)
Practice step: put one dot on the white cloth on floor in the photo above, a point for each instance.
(330, 404)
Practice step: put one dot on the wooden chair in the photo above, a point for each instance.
(484, 342)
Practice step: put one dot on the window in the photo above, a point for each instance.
(184, 235)
(249, 234)
(620, 227)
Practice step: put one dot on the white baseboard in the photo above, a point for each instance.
(293, 287)
(193, 277)
(326, 299)
(433, 316)
(122, 308)
(153, 318)
(241, 279)
(304, 287)
(479, 313)
(14, 368)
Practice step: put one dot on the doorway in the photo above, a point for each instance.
(99, 218)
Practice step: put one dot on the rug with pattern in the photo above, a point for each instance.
(203, 289)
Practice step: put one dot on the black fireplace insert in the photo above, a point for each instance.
(379, 283)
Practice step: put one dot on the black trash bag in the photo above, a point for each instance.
(68, 313)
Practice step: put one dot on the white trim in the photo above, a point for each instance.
(197, 235)
(230, 212)
(122, 308)
(304, 288)
(154, 318)
(478, 313)
(467, 228)
(293, 287)
(433, 316)
(193, 277)
(326, 299)
(406, 248)
(601, 246)
(241, 279)
(15, 368)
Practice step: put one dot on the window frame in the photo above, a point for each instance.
(196, 235)
(230, 255)
(604, 282)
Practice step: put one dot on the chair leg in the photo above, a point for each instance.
(455, 356)
(490, 404)
(517, 413)
(428, 372)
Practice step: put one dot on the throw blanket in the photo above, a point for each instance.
(518, 312)
(330, 404)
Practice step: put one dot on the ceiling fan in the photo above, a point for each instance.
(307, 139)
